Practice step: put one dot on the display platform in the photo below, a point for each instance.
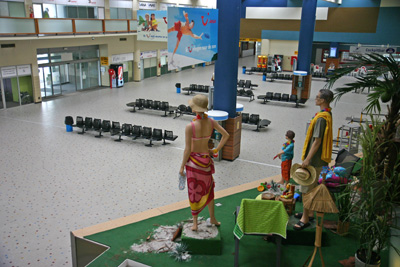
(116, 237)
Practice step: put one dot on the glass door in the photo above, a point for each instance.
(11, 92)
(46, 87)
(1, 97)
(93, 74)
(85, 75)
(56, 76)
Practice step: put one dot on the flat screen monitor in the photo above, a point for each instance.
(333, 52)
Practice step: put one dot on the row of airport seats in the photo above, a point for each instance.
(319, 75)
(270, 96)
(115, 128)
(254, 119)
(261, 70)
(196, 88)
(280, 76)
(141, 104)
(246, 93)
(246, 84)
(183, 109)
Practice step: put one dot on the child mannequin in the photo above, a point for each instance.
(286, 154)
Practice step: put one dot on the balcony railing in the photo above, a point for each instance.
(29, 26)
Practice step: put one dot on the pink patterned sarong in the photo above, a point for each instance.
(199, 170)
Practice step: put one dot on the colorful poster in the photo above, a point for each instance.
(192, 36)
(152, 25)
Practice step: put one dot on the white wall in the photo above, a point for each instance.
(283, 47)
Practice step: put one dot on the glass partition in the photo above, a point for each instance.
(10, 25)
(55, 26)
(116, 25)
(88, 25)
(133, 25)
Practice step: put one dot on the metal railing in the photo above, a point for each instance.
(10, 26)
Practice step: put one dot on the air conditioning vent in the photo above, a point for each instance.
(7, 45)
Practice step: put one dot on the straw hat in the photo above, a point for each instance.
(303, 176)
(199, 103)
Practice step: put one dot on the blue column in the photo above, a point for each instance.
(306, 34)
(226, 66)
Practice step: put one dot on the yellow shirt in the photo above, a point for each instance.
(328, 136)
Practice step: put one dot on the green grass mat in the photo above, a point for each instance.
(254, 251)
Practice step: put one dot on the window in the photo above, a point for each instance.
(120, 13)
(12, 9)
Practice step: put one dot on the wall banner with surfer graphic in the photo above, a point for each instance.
(192, 36)
(152, 25)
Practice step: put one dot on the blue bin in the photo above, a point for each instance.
(69, 128)
(204, 64)
(244, 69)
(264, 77)
(178, 88)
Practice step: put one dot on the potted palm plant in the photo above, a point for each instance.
(376, 194)
(344, 205)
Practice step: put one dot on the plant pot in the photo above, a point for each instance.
(360, 259)
(343, 227)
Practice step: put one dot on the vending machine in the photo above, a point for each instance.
(118, 78)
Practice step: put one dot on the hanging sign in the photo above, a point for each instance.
(372, 49)
(8, 72)
(148, 5)
(24, 70)
(148, 54)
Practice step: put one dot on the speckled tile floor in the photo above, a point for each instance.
(53, 181)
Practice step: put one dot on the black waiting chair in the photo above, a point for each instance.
(88, 123)
(293, 98)
(245, 117)
(97, 125)
(126, 130)
(206, 88)
(147, 132)
(105, 127)
(241, 83)
(277, 96)
(148, 103)
(169, 135)
(180, 110)
(156, 104)
(156, 136)
(136, 132)
(189, 109)
(247, 84)
(164, 106)
(269, 95)
(285, 97)
(200, 88)
(80, 124)
(115, 128)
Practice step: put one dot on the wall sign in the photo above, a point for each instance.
(104, 61)
(148, 54)
(148, 5)
(372, 49)
(24, 70)
(121, 58)
(8, 72)
(163, 52)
